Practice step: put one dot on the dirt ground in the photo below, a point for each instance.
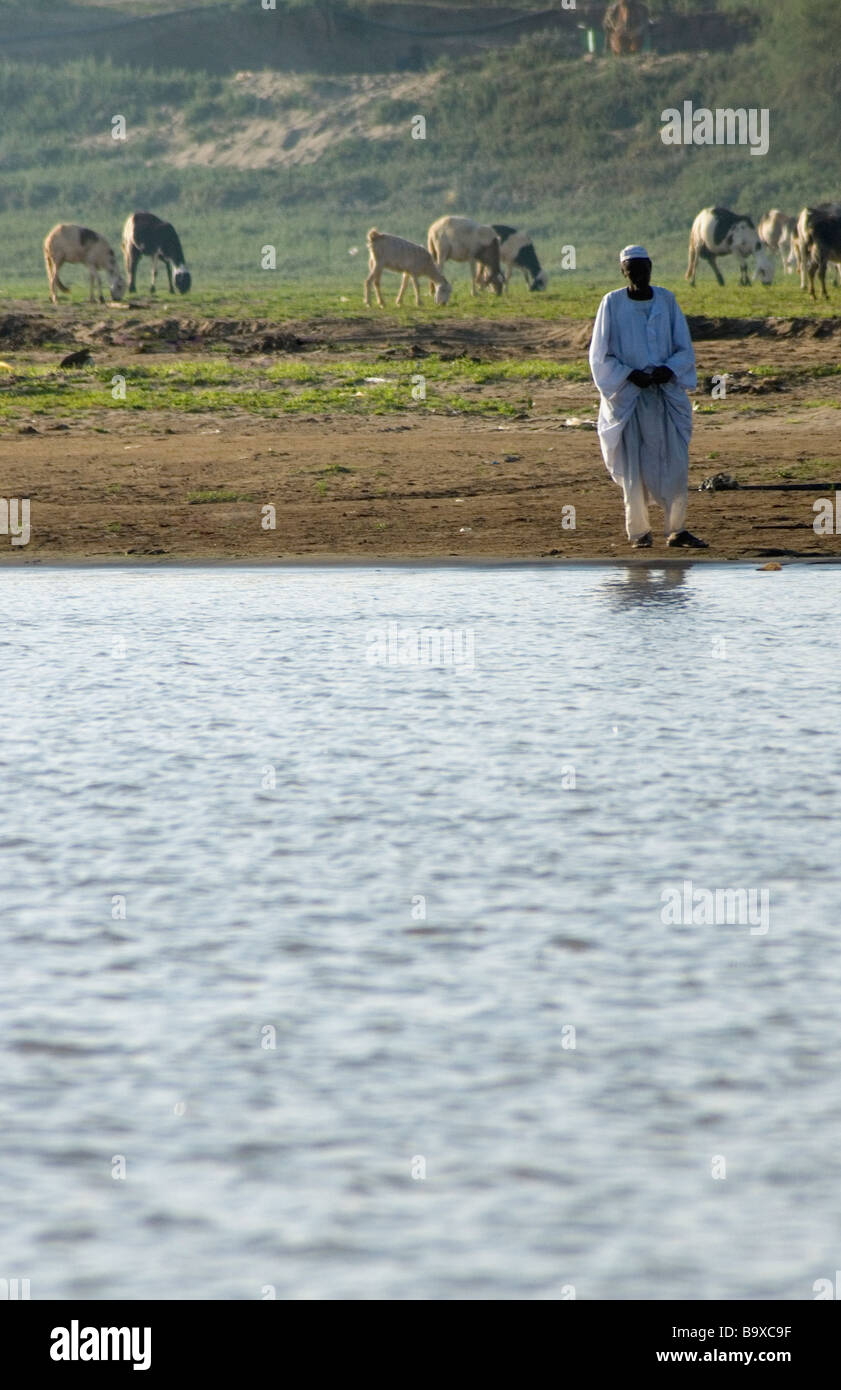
(111, 485)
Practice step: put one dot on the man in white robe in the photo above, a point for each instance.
(643, 364)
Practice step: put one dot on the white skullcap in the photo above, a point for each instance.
(634, 253)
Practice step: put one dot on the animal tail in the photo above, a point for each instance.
(52, 273)
(688, 273)
(374, 235)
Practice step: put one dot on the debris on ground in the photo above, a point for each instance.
(718, 482)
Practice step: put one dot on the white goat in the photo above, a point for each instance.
(462, 239)
(409, 259)
(79, 245)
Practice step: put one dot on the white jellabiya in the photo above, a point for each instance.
(644, 432)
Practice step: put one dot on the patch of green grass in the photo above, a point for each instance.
(805, 373)
(290, 387)
(533, 369)
(817, 469)
(487, 407)
(218, 494)
(318, 292)
(272, 386)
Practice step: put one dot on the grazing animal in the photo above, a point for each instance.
(778, 231)
(410, 259)
(720, 232)
(462, 239)
(833, 209)
(70, 243)
(625, 24)
(517, 249)
(819, 240)
(144, 234)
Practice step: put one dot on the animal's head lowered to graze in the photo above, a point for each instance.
(443, 292)
(526, 259)
(763, 265)
(491, 278)
(183, 279)
(117, 285)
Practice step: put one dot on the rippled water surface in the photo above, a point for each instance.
(439, 892)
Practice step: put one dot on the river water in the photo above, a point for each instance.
(420, 932)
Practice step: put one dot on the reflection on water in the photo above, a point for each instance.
(384, 980)
(642, 584)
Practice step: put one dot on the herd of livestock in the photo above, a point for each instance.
(808, 243)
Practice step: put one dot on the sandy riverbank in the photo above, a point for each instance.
(409, 483)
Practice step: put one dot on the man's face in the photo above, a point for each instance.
(638, 272)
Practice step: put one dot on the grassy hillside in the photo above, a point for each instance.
(307, 162)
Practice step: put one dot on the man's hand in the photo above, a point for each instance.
(661, 375)
(642, 378)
